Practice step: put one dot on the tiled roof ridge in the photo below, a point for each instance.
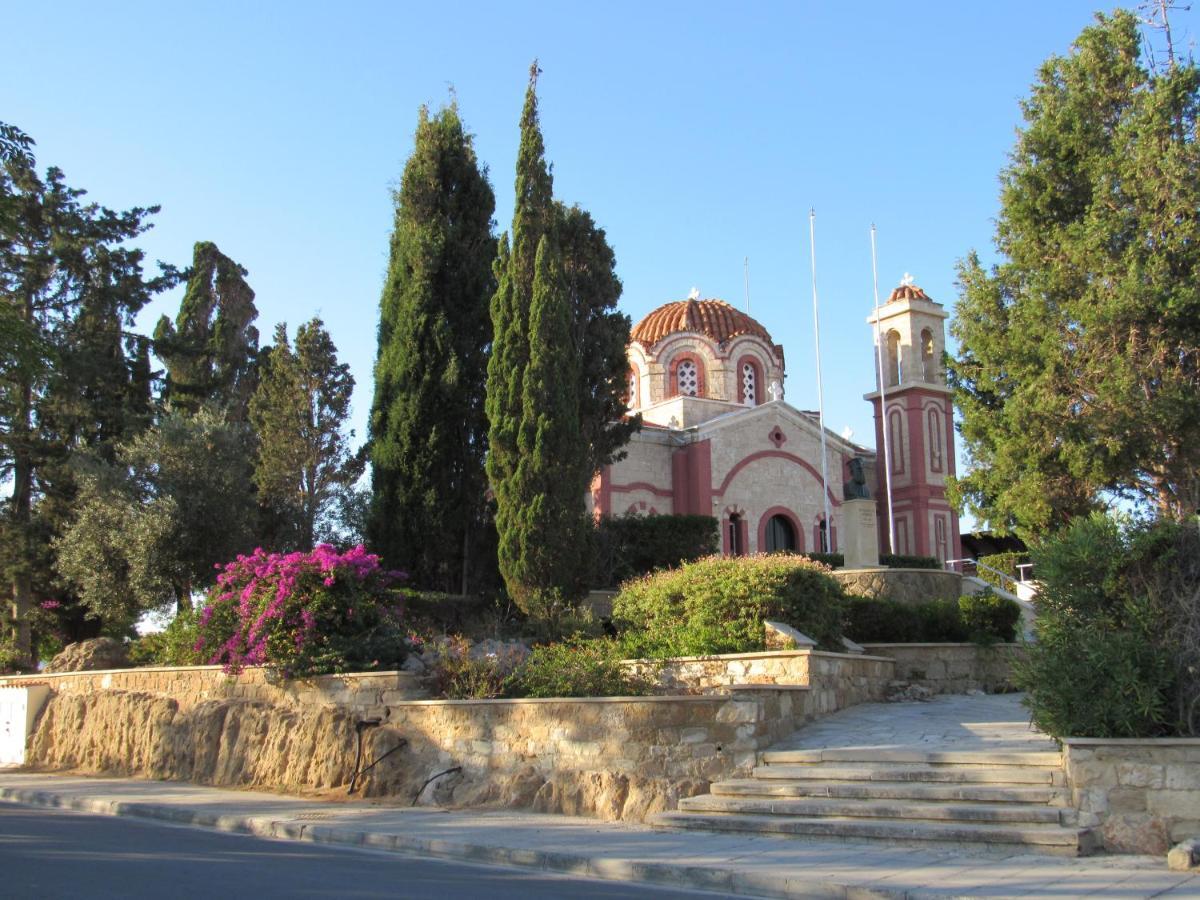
(712, 317)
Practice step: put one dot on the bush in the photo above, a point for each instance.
(1118, 610)
(630, 546)
(1001, 562)
(303, 614)
(989, 618)
(718, 605)
(175, 645)
(983, 619)
(458, 674)
(589, 668)
(833, 560)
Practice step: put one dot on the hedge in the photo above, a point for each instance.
(630, 546)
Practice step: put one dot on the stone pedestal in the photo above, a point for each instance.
(860, 534)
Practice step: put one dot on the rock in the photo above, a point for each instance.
(88, 656)
(903, 692)
(1184, 855)
(413, 664)
(1137, 833)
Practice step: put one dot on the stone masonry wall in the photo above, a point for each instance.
(909, 586)
(615, 758)
(1141, 795)
(362, 692)
(834, 680)
(952, 668)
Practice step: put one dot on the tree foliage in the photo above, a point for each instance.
(210, 350)
(1078, 374)
(555, 410)
(72, 381)
(428, 429)
(299, 412)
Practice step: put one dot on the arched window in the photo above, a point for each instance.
(896, 439)
(936, 440)
(749, 384)
(893, 358)
(939, 538)
(781, 536)
(632, 400)
(687, 379)
(929, 371)
(821, 536)
(736, 547)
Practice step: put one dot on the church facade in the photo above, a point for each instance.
(720, 440)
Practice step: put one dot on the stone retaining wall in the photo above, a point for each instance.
(1141, 795)
(835, 680)
(616, 758)
(952, 668)
(362, 692)
(910, 586)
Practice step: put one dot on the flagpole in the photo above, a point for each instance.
(887, 453)
(812, 243)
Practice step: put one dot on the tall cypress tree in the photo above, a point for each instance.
(428, 428)
(211, 350)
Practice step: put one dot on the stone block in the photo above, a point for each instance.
(1184, 856)
(1169, 803)
(1136, 834)
(1140, 775)
(1182, 778)
(1127, 800)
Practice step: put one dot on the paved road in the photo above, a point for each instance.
(49, 854)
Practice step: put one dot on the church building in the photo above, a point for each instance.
(720, 440)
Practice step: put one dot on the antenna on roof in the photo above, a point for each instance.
(746, 266)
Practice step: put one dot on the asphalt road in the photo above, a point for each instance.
(46, 853)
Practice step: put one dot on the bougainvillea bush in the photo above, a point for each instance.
(304, 614)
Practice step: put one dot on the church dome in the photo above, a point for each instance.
(908, 291)
(714, 318)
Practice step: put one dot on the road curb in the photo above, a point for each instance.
(737, 882)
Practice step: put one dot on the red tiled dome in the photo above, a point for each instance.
(909, 292)
(714, 318)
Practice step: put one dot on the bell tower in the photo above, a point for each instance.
(914, 434)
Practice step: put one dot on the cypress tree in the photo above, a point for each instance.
(211, 350)
(428, 429)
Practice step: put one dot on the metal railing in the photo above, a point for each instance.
(974, 566)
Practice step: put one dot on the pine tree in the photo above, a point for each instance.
(1078, 375)
(70, 285)
(298, 413)
(210, 351)
(428, 429)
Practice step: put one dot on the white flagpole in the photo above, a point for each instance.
(746, 265)
(812, 243)
(887, 453)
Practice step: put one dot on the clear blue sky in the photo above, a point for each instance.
(697, 134)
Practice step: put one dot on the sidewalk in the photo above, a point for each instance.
(731, 864)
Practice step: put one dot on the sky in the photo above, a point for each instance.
(697, 134)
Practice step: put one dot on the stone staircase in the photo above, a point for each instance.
(1006, 800)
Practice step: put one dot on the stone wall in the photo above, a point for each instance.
(364, 692)
(952, 668)
(615, 758)
(910, 586)
(1141, 795)
(834, 680)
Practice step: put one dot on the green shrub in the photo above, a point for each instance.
(457, 674)
(175, 645)
(869, 620)
(590, 668)
(1001, 562)
(718, 605)
(983, 619)
(833, 560)
(989, 618)
(1118, 610)
(899, 561)
(630, 546)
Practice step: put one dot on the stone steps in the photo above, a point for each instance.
(1008, 799)
(1043, 838)
(902, 790)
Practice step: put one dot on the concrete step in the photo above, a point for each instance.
(913, 772)
(878, 756)
(872, 790)
(876, 809)
(1044, 838)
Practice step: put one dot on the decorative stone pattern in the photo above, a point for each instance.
(953, 668)
(1141, 795)
(189, 685)
(909, 586)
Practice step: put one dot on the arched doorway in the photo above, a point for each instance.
(781, 536)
